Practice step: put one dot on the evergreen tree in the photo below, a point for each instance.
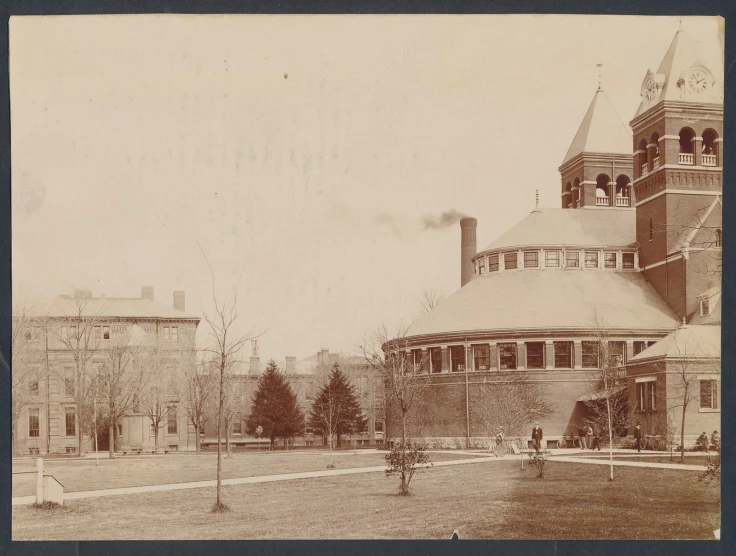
(336, 410)
(274, 407)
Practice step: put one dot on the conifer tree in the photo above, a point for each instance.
(336, 410)
(274, 407)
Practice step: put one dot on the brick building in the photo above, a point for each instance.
(66, 342)
(634, 249)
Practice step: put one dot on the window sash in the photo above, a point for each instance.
(174, 333)
(531, 259)
(627, 260)
(105, 332)
(610, 260)
(238, 424)
(572, 259)
(481, 265)
(591, 260)
(436, 359)
(166, 333)
(708, 394)
(507, 356)
(510, 261)
(492, 263)
(646, 393)
(563, 355)
(457, 358)
(591, 355)
(552, 259)
(482, 358)
(535, 355)
(70, 423)
(171, 427)
(34, 422)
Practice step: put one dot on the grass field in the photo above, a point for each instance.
(649, 458)
(83, 474)
(482, 500)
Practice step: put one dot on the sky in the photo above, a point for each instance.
(308, 158)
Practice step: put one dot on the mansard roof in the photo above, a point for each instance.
(549, 299)
(601, 131)
(571, 228)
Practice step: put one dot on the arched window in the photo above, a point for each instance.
(568, 196)
(602, 191)
(651, 229)
(686, 146)
(718, 238)
(710, 154)
(643, 167)
(576, 193)
(622, 190)
(654, 140)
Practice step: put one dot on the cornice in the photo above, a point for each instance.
(658, 110)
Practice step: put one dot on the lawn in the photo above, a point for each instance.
(491, 500)
(653, 458)
(83, 474)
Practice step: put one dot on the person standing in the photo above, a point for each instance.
(499, 442)
(537, 437)
(715, 439)
(583, 437)
(594, 433)
(637, 437)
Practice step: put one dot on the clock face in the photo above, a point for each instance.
(697, 81)
(650, 90)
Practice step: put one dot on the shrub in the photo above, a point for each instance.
(537, 460)
(713, 469)
(405, 461)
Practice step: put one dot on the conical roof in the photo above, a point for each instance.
(680, 57)
(602, 130)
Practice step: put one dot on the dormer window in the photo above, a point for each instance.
(704, 308)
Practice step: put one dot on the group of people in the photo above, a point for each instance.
(704, 443)
(590, 435)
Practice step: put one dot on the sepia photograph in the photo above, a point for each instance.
(284, 277)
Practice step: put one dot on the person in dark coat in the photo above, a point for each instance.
(715, 439)
(537, 437)
(596, 435)
(703, 441)
(637, 437)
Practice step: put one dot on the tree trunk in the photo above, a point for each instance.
(610, 437)
(404, 489)
(155, 437)
(219, 440)
(197, 445)
(112, 439)
(80, 434)
(682, 434)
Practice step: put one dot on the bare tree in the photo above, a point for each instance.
(403, 379)
(157, 392)
(429, 300)
(224, 350)
(80, 334)
(234, 401)
(118, 382)
(197, 389)
(511, 402)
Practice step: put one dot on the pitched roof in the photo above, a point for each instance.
(103, 307)
(601, 131)
(549, 299)
(571, 227)
(689, 342)
(680, 56)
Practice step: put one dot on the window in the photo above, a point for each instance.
(96, 332)
(152, 430)
(639, 347)
(481, 265)
(718, 238)
(493, 263)
(174, 333)
(591, 260)
(71, 428)
(646, 395)
(435, 356)
(509, 261)
(69, 387)
(70, 449)
(552, 259)
(71, 332)
(201, 429)
(616, 353)
(590, 355)
(120, 429)
(531, 259)
(651, 229)
(33, 386)
(171, 429)
(572, 259)
(167, 333)
(105, 332)
(238, 424)
(650, 344)
(33, 451)
(33, 422)
(378, 427)
(627, 260)
(535, 355)
(708, 394)
(417, 360)
(507, 356)
(563, 355)
(482, 357)
(704, 308)
(457, 358)
(609, 260)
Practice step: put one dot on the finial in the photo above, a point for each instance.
(679, 27)
(599, 65)
(537, 198)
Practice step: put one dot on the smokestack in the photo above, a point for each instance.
(255, 365)
(468, 249)
(179, 300)
(147, 292)
(290, 367)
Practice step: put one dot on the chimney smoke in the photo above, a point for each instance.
(468, 248)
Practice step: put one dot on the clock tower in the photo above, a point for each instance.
(678, 145)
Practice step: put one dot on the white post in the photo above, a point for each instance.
(97, 454)
(39, 480)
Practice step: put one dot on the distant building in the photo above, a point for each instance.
(634, 249)
(75, 328)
